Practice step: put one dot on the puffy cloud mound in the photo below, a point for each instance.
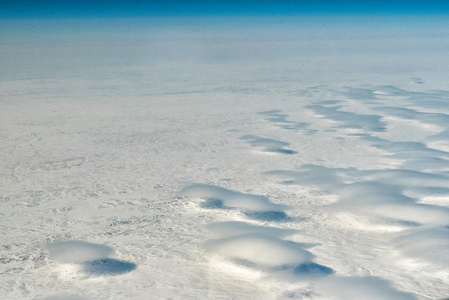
(369, 192)
(232, 199)
(384, 200)
(428, 244)
(76, 252)
(233, 228)
(408, 178)
(263, 251)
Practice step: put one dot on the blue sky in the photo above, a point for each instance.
(136, 8)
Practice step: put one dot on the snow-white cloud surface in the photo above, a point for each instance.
(77, 251)
(302, 159)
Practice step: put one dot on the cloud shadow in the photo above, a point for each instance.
(268, 145)
(312, 269)
(273, 216)
(108, 266)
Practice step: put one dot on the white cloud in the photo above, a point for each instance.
(264, 251)
(75, 252)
